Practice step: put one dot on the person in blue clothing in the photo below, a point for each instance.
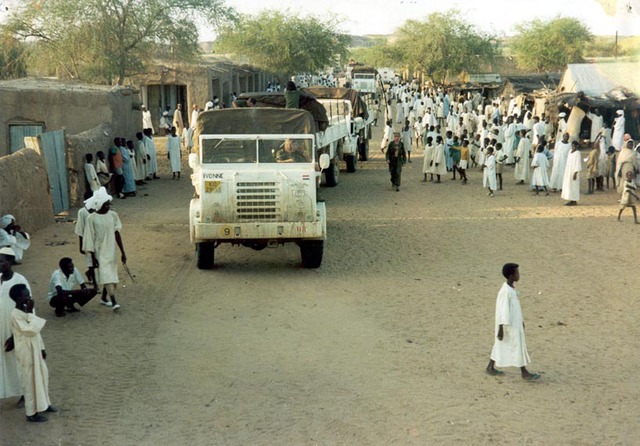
(129, 187)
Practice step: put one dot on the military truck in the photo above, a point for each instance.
(255, 174)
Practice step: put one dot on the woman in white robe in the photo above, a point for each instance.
(571, 183)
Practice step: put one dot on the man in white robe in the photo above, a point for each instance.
(173, 153)
(30, 354)
(560, 155)
(178, 122)
(152, 158)
(509, 140)
(596, 124)
(146, 119)
(510, 348)
(523, 158)
(101, 237)
(9, 377)
(617, 138)
(562, 126)
(571, 182)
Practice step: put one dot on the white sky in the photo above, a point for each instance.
(498, 16)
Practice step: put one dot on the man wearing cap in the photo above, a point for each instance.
(165, 124)
(396, 157)
(617, 138)
(13, 236)
(101, 236)
(10, 382)
(562, 126)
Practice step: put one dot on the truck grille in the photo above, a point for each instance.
(258, 201)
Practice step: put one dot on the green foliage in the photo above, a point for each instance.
(549, 46)
(381, 54)
(12, 58)
(442, 46)
(106, 40)
(283, 43)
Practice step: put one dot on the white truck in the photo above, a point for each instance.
(365, 80)
(255, 176)
(350, 118)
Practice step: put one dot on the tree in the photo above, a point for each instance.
(381, 54)
(442, 46)
(549, 46)
(284, 43)
(12, 58)
(106, 40)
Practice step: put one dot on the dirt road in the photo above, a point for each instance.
(386, 343)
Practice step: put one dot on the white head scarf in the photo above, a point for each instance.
(7, 251)
(6, 220)
(100, 197)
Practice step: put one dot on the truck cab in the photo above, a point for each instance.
(255, 178)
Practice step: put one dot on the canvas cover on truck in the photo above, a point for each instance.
(363, 69)
(308, 102)
(247, 121)
(358, 106)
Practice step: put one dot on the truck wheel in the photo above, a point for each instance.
(311, 253)
(204, 255)
(363, 150)
(331, 174)
(352, 161)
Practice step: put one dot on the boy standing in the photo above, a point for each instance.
(510, 348)
(30, 354)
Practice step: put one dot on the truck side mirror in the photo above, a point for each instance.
(324, 161)
(194, 161)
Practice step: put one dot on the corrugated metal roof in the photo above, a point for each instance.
(598, 79)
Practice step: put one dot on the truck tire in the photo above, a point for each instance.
(311, 253)
(352, 161)
(331, 174)
(205, 253)
(363, 150)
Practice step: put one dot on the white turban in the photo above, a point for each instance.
(6, 220)
(562, 115)
(620, 112)
(100, 197)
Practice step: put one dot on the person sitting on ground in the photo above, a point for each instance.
(12, 236)
(62, 295)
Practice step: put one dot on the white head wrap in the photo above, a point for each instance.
(6, 220)
(562, 115)
(100, 197)
(620, 112)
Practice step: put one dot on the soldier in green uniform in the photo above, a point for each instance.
(396, 157)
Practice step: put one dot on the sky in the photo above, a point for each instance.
(497, 16)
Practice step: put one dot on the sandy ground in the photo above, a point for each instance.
(385, 344)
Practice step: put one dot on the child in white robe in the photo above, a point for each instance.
(489, 171)
(509, 347)
(540, 164)
(427, 165)
(30, 354)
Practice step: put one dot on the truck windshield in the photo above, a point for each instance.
(285, 150)
(277, 150)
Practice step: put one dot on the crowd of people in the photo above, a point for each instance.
(468, 132)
